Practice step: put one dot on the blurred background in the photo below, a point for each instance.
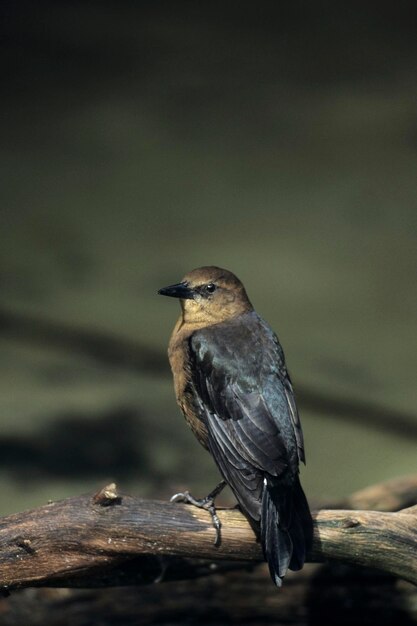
(142, 139)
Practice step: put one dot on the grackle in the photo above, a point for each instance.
(233, 387)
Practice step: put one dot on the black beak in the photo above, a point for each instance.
(181, 290)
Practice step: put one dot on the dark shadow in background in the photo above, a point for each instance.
(355, 596)
(319, 42)
(79, 447)
(117, 351)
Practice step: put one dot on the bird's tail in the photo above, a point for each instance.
(286, 527)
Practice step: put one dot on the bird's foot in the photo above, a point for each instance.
(207, 504)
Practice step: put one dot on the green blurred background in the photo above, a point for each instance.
(142, 139)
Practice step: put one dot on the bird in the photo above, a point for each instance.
(232, 385)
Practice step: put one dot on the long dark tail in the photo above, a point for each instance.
(286, 527)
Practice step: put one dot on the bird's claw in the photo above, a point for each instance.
(216, 523)
(207, 504)
(180, 497)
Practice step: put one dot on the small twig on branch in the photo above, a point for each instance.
(90, 540)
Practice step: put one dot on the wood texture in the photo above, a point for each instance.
(110, 539)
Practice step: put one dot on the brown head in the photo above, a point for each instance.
(209, 295)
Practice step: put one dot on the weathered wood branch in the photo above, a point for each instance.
(109, 539)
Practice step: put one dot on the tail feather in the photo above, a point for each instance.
(301, 528)
(286, 528)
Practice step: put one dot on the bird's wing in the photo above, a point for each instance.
(295, 418)
(247, 404)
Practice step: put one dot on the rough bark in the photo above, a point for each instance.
(109, 539)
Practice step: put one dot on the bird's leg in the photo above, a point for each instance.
(206, 503)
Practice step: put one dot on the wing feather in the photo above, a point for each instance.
(247, 403)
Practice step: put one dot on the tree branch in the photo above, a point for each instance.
(109, 539)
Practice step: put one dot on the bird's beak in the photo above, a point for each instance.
(181, 290)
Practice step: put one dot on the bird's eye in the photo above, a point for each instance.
(210, 288)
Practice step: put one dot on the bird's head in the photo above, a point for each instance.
(209, 295)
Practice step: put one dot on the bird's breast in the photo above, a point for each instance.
(179, 358)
